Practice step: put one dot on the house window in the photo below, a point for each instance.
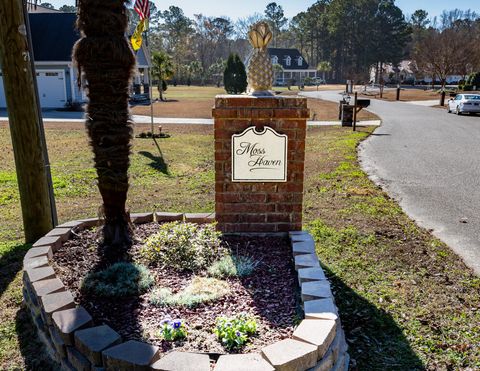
(300, 61)
(275, 59)
(288, 60)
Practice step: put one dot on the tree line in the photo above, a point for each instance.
(343, 39)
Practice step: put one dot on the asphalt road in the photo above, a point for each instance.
(429, 161)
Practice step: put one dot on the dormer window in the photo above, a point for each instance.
(300, 61)
(288, 60)
(274, 59)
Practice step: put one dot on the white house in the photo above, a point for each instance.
(405, 72)
(53, 37)
(295, 66)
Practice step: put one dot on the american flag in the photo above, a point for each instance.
(142, 7)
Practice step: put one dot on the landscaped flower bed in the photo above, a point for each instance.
(261, 331)
(199, 295)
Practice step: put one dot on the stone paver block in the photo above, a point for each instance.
(300, 236)
(316, 290)
(54, 241)
(58, 343)
(200, 218)
(39, 251)
(243, 362)
(92, 341)
(26, 297)
(39, 322)
(63, 233)
(42, 288)
(306, 261)
(78, 361)
(325, 364)
(298, 233)
(320, 309)
(290, 355)
(132, 355)
(69, 320)
(139, 218)
(37, 262)
(317, 332)
(168, 217)
(72, 224)
(183, 361)
(339, 345)
(55, 302)
(38, 274)
(303, 247)
(342, 363)
(310, 274)
(90, 222)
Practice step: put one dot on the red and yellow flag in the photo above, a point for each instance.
(136, 38)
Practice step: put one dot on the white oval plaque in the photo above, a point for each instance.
(259, 156)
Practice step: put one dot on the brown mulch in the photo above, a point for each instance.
(192, 108)
(270, 293)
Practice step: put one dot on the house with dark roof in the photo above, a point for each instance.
(295, 66)
(53, 37)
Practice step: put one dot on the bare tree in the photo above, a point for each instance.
(242, 26)
(440, 53)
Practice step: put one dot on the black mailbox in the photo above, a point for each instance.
(364, 103)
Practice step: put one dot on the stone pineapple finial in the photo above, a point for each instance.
(260, 69)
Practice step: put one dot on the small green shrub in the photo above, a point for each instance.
(184, 246)
(235, 75)
(120, 279)
(233, 266)
(200, 290)
(172, 330)
(234, 332)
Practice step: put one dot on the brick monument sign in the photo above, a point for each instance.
(259, 181)
(259, 151)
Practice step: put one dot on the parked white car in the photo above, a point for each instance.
(464, 103)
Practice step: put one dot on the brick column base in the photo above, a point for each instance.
(259, 207)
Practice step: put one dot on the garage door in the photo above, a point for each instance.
(51, 89)
(3, 103)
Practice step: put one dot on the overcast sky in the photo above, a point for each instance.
(242, 8)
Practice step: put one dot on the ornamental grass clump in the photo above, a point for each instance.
(120, 279)
(200, 290)
(235, 332)
(183, 246)
(233, 266)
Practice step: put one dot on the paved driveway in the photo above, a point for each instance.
(430, 162)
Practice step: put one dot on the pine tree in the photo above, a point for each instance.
(234, 76)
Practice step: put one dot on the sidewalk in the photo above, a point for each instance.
(425, 103)
(190, 121)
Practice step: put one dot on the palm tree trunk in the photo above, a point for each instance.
(105, 62)
(160, 91)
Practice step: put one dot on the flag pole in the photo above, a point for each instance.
(150, 90)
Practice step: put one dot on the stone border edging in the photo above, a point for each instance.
(318, 343)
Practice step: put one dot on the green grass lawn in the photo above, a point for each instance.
(406, 301)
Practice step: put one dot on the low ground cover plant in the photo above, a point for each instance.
(233, 266)
(234, 332)
(184, 246)
(120, 279)
(200, 290)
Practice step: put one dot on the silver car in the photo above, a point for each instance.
(464, 103)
